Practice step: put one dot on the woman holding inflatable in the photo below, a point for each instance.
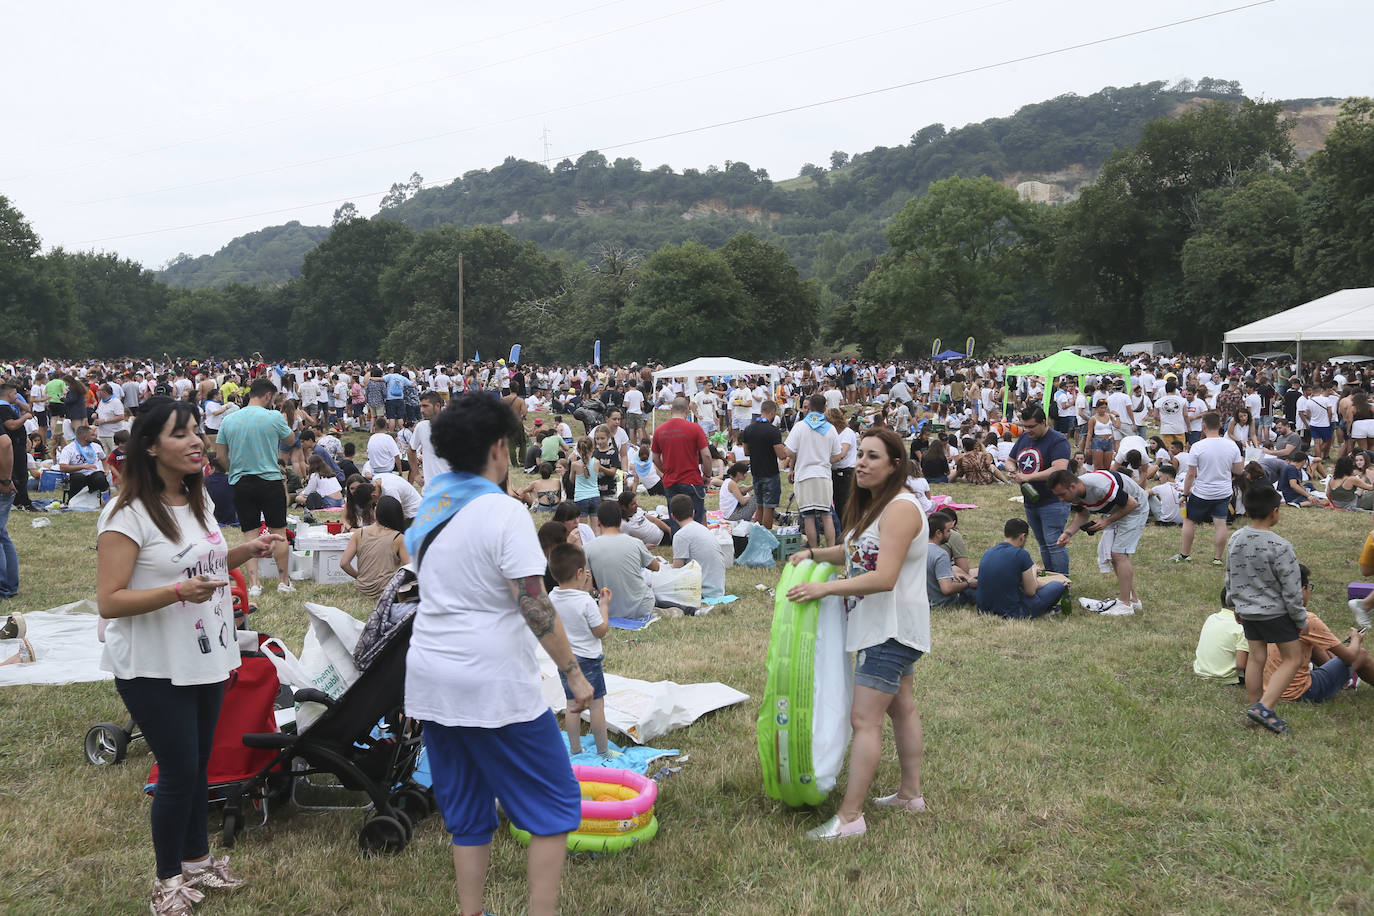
(884, 552)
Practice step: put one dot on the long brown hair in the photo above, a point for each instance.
(864, 506)
(141, 483)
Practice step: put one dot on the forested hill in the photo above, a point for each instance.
(829, 219)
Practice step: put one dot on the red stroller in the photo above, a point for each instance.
(108, 742)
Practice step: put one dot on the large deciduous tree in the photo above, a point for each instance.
(958, 257)
(499, 273)
(687, 302)
(783, 308)
(340, 309)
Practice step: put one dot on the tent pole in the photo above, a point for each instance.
(1299, 354)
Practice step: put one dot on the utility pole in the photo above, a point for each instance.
(461, 351)
(545, 137)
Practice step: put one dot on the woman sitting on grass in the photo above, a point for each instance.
(378, 547)
(323, 485)
(884, 552)
(1344, 489)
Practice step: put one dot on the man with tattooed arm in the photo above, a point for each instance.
(472, 677)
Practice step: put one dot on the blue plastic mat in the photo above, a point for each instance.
(632, 623)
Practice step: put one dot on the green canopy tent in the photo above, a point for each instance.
(1063, 363)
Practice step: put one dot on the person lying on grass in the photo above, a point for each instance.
(1325, 663)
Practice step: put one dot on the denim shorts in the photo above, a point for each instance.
(769, 491)
(589, 505)
(1327, 680)
(591, 670)
(1102, 443)
(882, 667)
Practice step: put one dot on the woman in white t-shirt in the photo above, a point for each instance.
(162, 584)
(884, 552)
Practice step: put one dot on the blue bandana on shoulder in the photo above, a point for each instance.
(816, 421)
(445, 496)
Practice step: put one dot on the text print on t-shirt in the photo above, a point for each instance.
(212, 563)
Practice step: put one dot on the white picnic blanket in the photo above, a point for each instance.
(64, 639)
(644, 710)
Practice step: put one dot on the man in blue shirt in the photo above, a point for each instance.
(1036, 455)
(1007, 581)
(395, 398)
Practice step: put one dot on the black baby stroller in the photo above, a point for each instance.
(364, 740)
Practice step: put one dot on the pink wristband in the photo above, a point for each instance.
(176, 588)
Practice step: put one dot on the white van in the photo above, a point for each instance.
(1089, 350)
(1149, 348)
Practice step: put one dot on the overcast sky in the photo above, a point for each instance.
(152, 129)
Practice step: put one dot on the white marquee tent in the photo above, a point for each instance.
(1344, 315)
(718, 367)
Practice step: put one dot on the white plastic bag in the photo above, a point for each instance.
(677, 587)
(291, 672)
(326, 659)
(328, 648)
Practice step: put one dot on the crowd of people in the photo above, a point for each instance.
(862, 443)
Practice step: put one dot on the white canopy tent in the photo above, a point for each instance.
(718, 367)
(1347, 314)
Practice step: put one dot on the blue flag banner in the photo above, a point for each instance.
(514, 355)
(596, 353)
(968, 348)
(934, 348)
(476, 356)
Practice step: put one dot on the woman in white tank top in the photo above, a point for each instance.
(884, 554)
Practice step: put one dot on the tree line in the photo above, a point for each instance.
(1207, 222)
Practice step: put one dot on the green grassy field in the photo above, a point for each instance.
(1072, 765)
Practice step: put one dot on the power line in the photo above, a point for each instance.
(769, 114)
(544, 112)
(932, 79)
(296, 118)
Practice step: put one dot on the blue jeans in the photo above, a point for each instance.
(9, 559)
(1045, 597)
(1047, 521)
(698, 494)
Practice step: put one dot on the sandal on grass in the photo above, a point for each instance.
(1266, 717)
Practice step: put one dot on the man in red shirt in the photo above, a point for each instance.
(683, 459)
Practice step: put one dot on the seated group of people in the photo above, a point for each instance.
(1006, 582)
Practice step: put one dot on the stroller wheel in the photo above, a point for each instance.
(414, 803)
(382, 836)
(229, 829)
(106, 743)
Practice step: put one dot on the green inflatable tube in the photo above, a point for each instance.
(596, 842)
(784, 726)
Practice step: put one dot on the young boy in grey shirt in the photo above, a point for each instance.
(1265, 586)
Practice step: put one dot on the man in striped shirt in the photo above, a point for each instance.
(1126, 509)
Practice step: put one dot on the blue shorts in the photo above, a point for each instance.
(591, 670)
(769, 491)
(589, 505)
(524, 764)
(1199, 508)
(1321, 432)
(882, 667)
(1327, 681)
(395, 409)
(1103, 443)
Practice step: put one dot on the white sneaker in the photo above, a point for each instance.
(1137, 606)
(1361, 615)
(285, 588)
(1117, 609)
(254, 591)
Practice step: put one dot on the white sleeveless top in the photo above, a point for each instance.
(903, 613)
